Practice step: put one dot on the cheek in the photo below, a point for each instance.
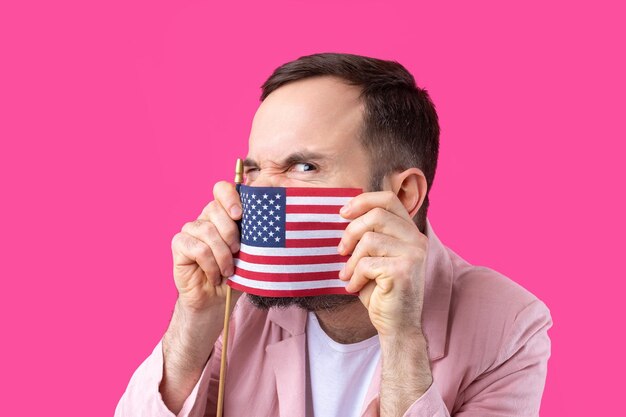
(355, 178)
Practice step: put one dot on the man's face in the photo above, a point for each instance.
(305, 134)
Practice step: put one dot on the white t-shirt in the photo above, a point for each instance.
(339, 374)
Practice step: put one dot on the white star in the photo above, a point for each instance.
(264, 239)
(265, 228)
(265, 207)
(271, 212)
(264, 217)
(277, 228)
(260, 234)
(277, 217)
(254, 237)
(277, 196)
(265, 196)
(271, 233)
(271, 201)
(277, 239)
(277, 207)
(271, 223)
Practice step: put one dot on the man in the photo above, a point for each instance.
(428, 334)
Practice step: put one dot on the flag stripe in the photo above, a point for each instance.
(315, 226)
(285, 269)
(325, 192)
(290, 293)
(325, 200)
(290, 209)
(261, 251)
(305, 276)
(312, 217)
(312, 243)
(299, 285)
(313, 234)
(292, 260)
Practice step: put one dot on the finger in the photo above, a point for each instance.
(370, 269)
(227, 228)
(365, 202)
(397, 272)
(376, 220)
(188, 250)
(365, 293)
(207, 233)
(373, 245)
(226, 194)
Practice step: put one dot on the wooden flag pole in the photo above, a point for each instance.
(220, 392)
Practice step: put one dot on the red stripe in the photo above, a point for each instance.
(289, 293)
(315, 226)
(290, 277)
(312, 209)
(311, 243)
(292, 260)
(322, 192)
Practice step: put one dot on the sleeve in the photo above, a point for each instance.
(142, 396)
(513, 386)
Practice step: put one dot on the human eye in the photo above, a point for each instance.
(250, 174)
(304, 167)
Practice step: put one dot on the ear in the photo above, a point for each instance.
(410, 186)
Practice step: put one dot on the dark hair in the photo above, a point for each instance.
(400, 125)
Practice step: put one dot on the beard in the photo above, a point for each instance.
(313, 303)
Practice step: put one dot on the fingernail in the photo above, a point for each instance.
(229, 272)
(342, 272)
(345, 209)
(340, 248)
(235, 211)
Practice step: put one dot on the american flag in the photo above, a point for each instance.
(289, 239)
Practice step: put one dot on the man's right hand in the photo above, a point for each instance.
(203, 251)
(203, 259)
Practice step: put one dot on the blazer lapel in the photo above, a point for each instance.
(288, 359)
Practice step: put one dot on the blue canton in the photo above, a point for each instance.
(263, 220)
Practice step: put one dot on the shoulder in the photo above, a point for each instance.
(479, 291)
(493, 311)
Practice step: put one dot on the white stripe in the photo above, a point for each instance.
(315, 217)
(256, 250)
(318, 201)
(288, 269)
(302, 285)
(313, 234)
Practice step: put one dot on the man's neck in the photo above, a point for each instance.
(347, 324)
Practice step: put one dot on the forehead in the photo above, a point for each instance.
(319, 114)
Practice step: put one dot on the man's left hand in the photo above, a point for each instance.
(388, 261)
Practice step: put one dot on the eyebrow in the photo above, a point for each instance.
(294, 158)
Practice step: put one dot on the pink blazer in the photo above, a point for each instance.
(487, 343)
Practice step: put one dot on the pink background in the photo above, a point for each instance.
(117, 117)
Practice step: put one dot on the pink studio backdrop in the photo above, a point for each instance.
(117, 117)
